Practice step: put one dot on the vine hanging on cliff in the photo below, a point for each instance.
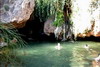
(47, 8)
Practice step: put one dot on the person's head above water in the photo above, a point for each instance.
(58, 44)
(86, 45)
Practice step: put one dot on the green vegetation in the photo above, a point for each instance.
(11, 38)
(59, 21)
(60, 9)
(6, 7)
(47, 8)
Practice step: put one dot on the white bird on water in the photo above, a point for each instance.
(58, 47)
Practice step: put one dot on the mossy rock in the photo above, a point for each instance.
(6, 7)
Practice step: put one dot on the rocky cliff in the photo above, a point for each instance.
(16, 12)
(86, 17)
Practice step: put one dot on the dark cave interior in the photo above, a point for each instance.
(33, 31)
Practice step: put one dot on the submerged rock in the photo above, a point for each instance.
(16, 11)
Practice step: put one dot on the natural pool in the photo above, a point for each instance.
(44, 54)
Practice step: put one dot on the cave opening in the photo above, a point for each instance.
(34, 28)
(43, 46)
(33, 31)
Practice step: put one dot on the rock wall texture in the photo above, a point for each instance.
(86, 17)
(16, 11)
(48, 26)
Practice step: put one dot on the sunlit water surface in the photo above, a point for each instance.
(44, 54)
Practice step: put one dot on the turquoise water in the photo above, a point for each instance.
(44, 54)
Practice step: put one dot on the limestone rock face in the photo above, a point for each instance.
(48, 26)
(86, 17)
(16, 11)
